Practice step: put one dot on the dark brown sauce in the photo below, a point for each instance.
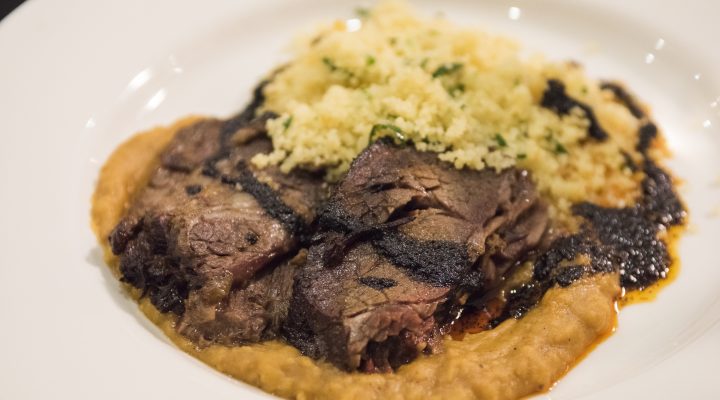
(477, 319)
(651, 292)
(625, 98)
(637, 241)
(555, 98)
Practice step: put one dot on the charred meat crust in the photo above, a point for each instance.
(243, 118)
(437, 262)
(377, 283)
(268, 199)
(198, 244)
(405, 217)
(393, 255)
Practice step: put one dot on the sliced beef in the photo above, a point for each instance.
(405, 244)
(336, 315)
(226, 315)
(211, 237)
(402, 241)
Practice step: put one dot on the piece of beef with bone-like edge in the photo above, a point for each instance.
(210, 237)
(402, 241)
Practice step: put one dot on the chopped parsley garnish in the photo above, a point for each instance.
(521, 156)
(500, 140)
(446, 69)
(369, 60)
(559, 148)
(288, 122)
(362, 12)
(378, 129)
(456, 89)
(330, 64)
(334, 67)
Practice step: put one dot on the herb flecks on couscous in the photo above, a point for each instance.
(467, 95)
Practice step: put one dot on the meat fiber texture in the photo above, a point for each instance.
(213, 240)
(403, 238)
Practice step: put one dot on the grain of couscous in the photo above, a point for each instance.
(460, 92)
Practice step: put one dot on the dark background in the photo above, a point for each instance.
(6, 6)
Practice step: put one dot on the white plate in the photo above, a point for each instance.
(79, 76)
